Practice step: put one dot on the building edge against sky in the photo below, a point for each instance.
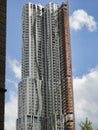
(2, 60)
(45, 93)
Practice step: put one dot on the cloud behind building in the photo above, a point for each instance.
(80, 18)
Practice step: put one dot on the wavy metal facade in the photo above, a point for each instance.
(45, 93)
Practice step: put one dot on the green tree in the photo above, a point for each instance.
(87, 125)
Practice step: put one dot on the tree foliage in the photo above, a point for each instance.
(87, 125)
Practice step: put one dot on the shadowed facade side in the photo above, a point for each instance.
(2, 59)
(66, 74)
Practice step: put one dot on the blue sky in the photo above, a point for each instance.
(84, 47)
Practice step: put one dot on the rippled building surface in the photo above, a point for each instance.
(45, 93)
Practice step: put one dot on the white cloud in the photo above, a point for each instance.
(11, 82)
(11, 97)
(11, 112)
(81, 18)
(86, 98)
(15, 67)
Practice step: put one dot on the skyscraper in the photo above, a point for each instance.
(45, 93)
(2, 59)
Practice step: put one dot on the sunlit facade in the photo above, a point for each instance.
(45, 93)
